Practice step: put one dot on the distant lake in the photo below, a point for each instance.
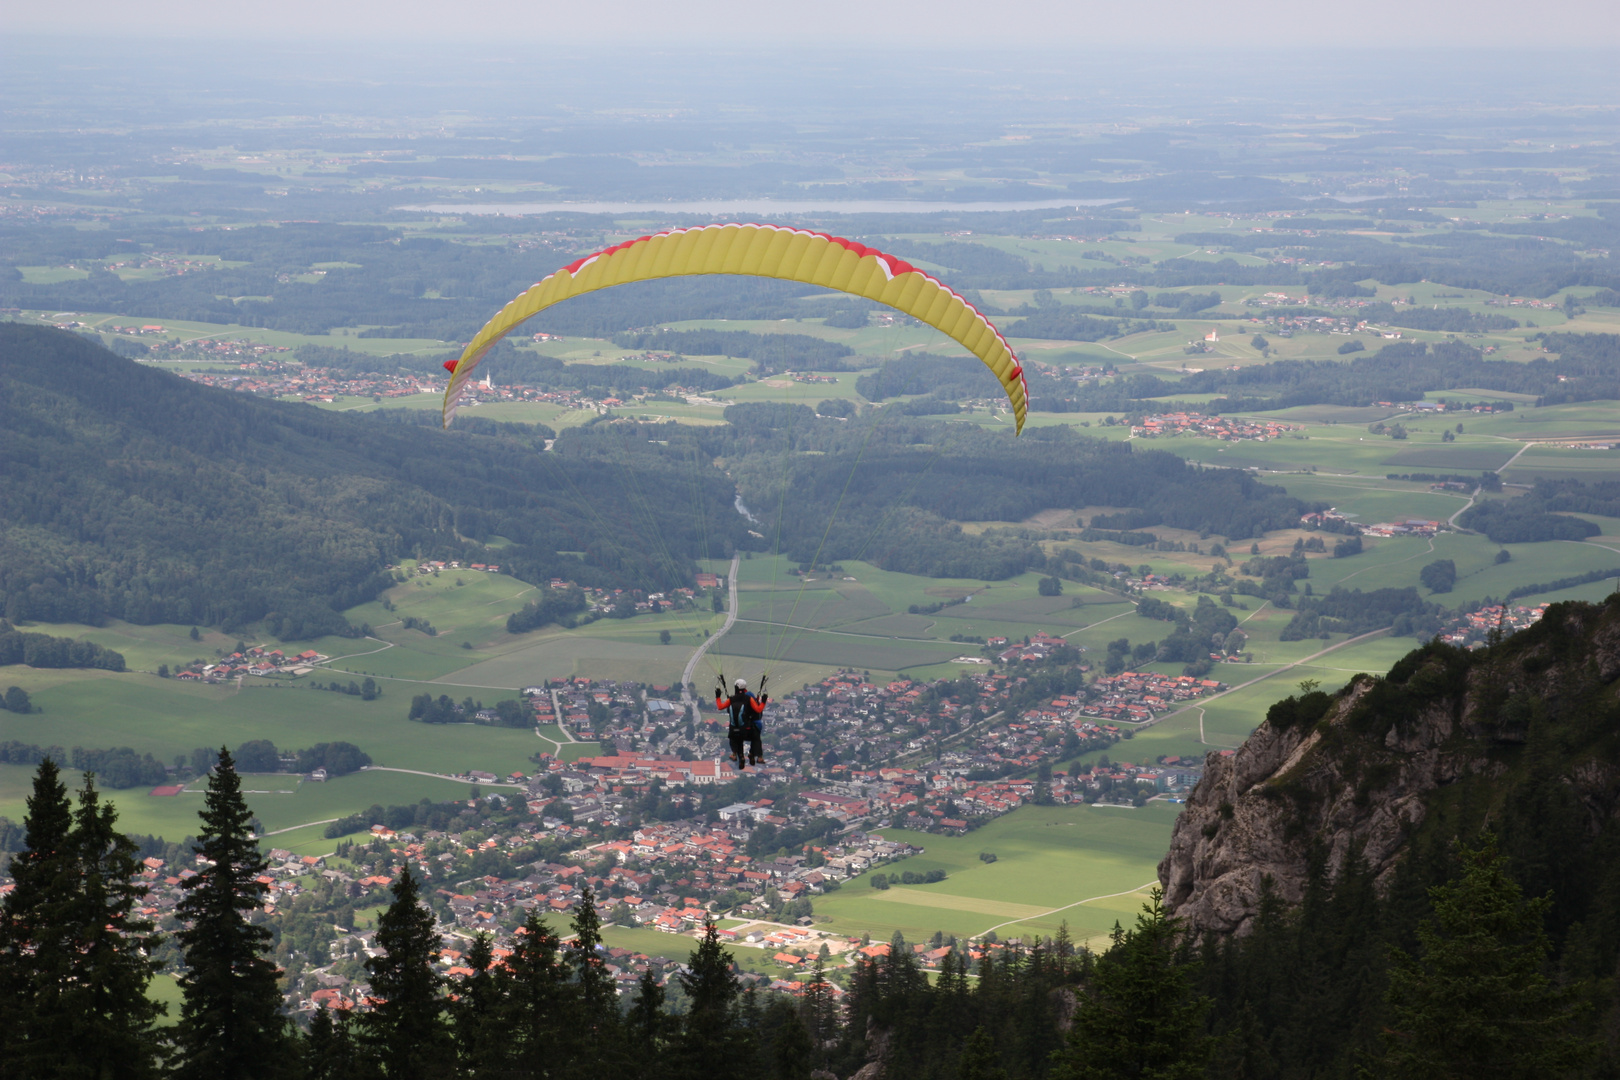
(752, 207)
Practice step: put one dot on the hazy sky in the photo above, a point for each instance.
(1255, 25)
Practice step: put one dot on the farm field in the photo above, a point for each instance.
(677, 947)
(279, 800)
(1057, 857)
(1563, 463)
(166, 718)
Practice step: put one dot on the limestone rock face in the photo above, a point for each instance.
(1358, 773)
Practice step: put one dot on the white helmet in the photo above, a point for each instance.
(742, 684)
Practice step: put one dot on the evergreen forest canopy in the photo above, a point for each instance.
(132, 494)
(936, 474)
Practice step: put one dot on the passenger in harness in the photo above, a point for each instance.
(745, 711)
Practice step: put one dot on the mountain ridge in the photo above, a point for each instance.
(1523, 736)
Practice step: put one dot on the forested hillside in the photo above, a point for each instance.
(899, 485)
(127, 492)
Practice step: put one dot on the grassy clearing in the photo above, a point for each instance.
(1594, 418)
(174, 817)
(1454, 459)
(680, 947)
(831, 649)
(144, 647)
(1371, 500)
(1561, 463)
(166, 718)
(1046, 858)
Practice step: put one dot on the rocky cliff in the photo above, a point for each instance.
(1364, 771)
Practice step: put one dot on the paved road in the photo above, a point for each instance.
(731, 617)
(557, 708)
(1452, 521)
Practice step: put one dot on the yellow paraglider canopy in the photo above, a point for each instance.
(761, 251)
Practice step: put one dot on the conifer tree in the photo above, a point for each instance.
(231, 1022)
(1476, 1001)
(329, 1049)
(646, 1024)
(73, 964)
(1142, 1017)
(112, 1016)
(475, 1012)
(710, 1045)
(534, 1001)
(405, 1032)
(35, 951)
(598, 997)
(791, 1050)
(979, 1060)
(819, 1009)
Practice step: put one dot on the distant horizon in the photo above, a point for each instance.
(1265, 26)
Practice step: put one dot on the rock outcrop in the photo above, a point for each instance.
(1326, 776)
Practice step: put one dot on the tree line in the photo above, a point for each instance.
(44, 651)
(1404, 371)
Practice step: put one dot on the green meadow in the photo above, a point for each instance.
(1081, 865)
(167, 718)
(279, 800)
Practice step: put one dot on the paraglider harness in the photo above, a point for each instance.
(744, 729)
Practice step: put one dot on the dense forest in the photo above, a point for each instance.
(1544, 512)
(44, 651)
(893, 487)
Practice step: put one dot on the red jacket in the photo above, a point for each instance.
(744, 712)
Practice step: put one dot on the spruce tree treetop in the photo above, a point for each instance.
(405, 1031)
(711, 1044)
(1142, 1017)
(114, 1015)
(44, 859)
(1476, 1001)
(231, 1020)
(74, 953)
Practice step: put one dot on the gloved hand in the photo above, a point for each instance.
(764, 699)
(720, 690)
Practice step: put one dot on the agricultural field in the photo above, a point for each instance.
(1084, 865)
(280, 800)
(166, 718)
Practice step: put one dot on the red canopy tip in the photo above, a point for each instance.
(450, 366)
